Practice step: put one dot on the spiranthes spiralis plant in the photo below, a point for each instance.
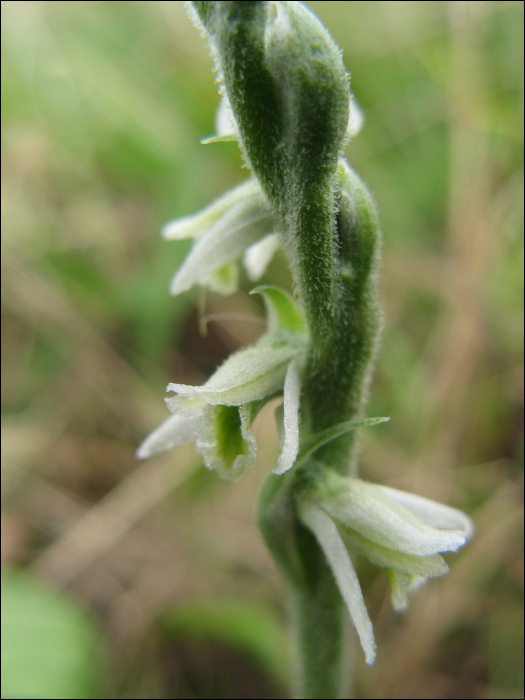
(286, 101)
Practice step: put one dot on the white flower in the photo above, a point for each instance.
(396, 530)
(219, 414)
(240, 222)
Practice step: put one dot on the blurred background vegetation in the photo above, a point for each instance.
(103, 108)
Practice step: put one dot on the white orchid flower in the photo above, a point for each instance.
(399, 531)
(239, 223)
(219, 414)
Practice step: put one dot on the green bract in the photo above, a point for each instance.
(286, 101)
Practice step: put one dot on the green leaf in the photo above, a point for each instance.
(51, 647)
(282, 311)
(320, 439)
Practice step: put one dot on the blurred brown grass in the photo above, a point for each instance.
(103, 107)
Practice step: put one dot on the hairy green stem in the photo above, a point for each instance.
(289, 93)
(316, 604)
(286, 101)
(318, 617)
(339, 367)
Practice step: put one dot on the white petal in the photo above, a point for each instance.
(243, 224)
(247, 375)
(365, 508)
(432, 513)
(258, 256)
(431, 565)
(225, 124)
(332, 545)
(292, 391)
(196, 225)
(174, 431)
(356, 118)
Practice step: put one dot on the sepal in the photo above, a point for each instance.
(367, 510)
(198, 224)
(248, 375)
(290, 418)
(243, 223)
(172, 432)
(258, 256)
(332, 545)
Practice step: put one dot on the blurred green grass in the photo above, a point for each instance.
(103, 108)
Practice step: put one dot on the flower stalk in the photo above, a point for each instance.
(286, 100)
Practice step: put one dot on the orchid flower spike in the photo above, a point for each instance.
(286, 101)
